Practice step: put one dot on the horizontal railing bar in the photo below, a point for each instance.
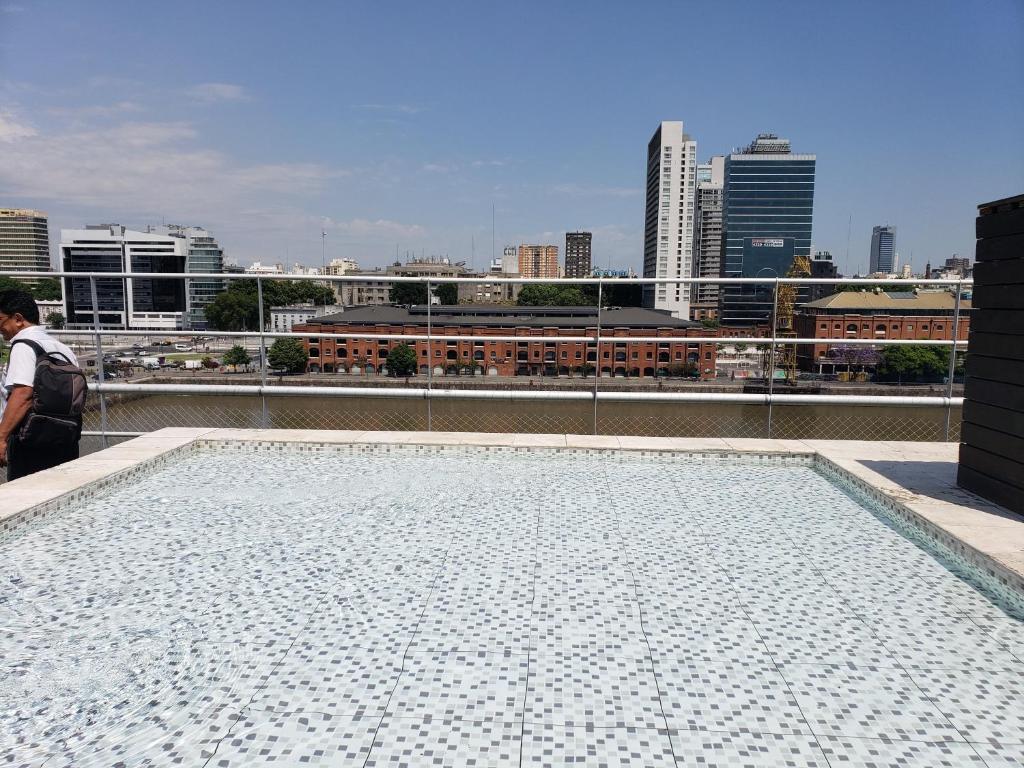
(605, 339)
(501, 394)
(485, 278)
(96, 433)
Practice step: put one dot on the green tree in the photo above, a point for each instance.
(551, 295)
(238, 308)
(237, 356)
(409, 293)
(56, 320)
(448, 293)
(234, 310)
(47, 289)
(288, 354)
(913, 363)
(402, 360)
(709, 323)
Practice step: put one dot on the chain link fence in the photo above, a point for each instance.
(145, 413)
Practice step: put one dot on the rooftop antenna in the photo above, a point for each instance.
(472, 252)
(492, 233)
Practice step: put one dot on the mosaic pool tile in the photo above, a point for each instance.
(717, 749)
(411, 605)
(296, 739)
(983, 706)
(454, 685)
(591, 747)
(887, 753)
(577, 689)
(408, 742)
(725, 697)
(868, 702)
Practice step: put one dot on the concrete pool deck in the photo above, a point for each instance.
(918, 477)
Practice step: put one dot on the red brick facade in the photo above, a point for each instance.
(539, 353)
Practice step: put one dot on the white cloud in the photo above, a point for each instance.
(438, 168)
(137, 169)
(12, 129)
(11, 8)
(209, 93)
(489, 163)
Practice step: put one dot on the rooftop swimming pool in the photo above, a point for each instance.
(278, 604)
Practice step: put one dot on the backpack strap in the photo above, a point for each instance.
(38, 349)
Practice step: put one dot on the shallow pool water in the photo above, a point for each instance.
(456, 606)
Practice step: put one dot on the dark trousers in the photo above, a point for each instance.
(23, 461)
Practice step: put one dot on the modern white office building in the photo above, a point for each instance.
(669, 221)
(136, 303)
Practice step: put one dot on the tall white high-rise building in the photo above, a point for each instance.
(669, 223)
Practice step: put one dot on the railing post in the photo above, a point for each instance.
(952, 356)
(597, 349)
(771, 354)
(430, 363)
(264, 419)
(99, 357)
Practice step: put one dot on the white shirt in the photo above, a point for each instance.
(21, 367)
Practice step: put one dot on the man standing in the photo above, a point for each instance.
(19, 321)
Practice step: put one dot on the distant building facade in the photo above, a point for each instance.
(202, 254)
(883, 250)
(24, 240)
(768, 208)
(510, 260)
(710, 193)
(538, 353)
(137, 303)
(874, 315)
(538, 261)
(283, 319)
(822, 266)
(669, 224)
(578, 254)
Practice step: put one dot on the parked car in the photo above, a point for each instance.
(183, 347)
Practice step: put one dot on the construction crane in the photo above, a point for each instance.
(785, 354)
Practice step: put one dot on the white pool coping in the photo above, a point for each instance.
(917, 481)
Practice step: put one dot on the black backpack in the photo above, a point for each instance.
(59, 389)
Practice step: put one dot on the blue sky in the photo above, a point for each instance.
(399, 125)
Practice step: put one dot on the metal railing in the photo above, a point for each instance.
(590, 408)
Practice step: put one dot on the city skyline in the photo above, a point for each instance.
(407, 141)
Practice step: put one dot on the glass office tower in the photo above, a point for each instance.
(768, 204)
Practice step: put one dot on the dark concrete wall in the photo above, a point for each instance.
(992, 447)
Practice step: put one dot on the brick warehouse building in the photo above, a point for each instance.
(538, 354)
(874, 315)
